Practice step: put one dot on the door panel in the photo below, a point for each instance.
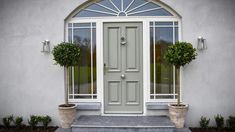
(132, 57)
(123, 91)
(113, 49)
(132, 93)
(114, 93)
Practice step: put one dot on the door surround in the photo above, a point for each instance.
(146, 58)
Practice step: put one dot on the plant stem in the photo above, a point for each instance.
(178, 87)
(66, 85)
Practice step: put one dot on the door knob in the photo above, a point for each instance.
(123, 76)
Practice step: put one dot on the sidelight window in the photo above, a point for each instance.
(163, 77)
(82, 78)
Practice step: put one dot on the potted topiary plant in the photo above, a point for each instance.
(66, 55)
(179, 54)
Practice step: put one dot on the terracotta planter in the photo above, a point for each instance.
(177, 114)
(67, 115)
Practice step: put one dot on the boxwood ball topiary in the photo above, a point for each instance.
(66, 54)
(180, 54)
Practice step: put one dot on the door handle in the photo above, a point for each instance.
(123, 76)
(105, 68)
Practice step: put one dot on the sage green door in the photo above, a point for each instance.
(123, 77)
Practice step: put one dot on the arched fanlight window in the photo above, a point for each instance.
(123, 8)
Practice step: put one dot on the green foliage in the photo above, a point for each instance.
(7, 121)
(18, 121)
(33, 121)
(219, 120)
(180, 54)
(231, 122)
(204, 122)
(45, 120)
(66, 54)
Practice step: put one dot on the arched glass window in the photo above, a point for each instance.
(105, 8)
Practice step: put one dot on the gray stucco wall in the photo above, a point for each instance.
(31, 84)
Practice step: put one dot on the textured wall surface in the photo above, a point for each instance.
(31, 84)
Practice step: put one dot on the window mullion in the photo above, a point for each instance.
(72, 72)
(154, 61)
(91, 61)
(174, 66)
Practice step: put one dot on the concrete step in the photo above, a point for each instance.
(123, 124)
(175, 130)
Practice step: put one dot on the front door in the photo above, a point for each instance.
(123, 77)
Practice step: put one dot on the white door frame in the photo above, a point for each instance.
(146, 57)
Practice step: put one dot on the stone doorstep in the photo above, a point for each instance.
(175, 130)
(124, 121)
(63, 130)
(123, 124)
(88, 106)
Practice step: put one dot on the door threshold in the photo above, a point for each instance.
(123, 114)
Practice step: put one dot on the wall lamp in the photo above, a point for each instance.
(46, 46)
(201, 45)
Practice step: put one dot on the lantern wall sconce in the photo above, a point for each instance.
(201, 45)
(46, 46)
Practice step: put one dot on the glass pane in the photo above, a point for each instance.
(164, 97)
(164, 34)
(94, 96)
(163, 73)
(126, 3)
(176, 34)
(99, 8)
(70, 35)
(93, 25)
(146, 7)
(176, 23)
(160, 12)
(70, 82)
(83, 70)
(76, 80)
(87, 25)
(94, 59)
(84, 13)
(82, 96)
(83, 73)
(164, 23)
(107, 4)
(151, 62)
(118, 4)
(136, 3)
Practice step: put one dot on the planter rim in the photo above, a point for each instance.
(178, 107)
(66, 108)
